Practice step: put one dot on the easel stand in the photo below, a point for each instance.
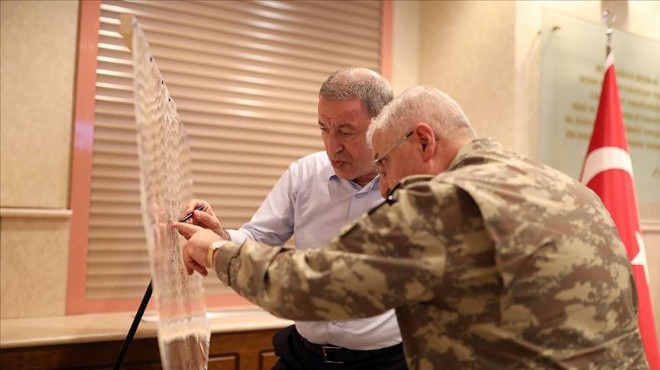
(134, 326)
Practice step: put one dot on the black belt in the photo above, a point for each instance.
(340, 355)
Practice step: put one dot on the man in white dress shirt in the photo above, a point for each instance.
(313, 199)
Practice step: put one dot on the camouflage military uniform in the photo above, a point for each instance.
(498, 262)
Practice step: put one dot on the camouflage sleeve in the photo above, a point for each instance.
(389, 258)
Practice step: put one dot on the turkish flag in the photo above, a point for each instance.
(608, 172)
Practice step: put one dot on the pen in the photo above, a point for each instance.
(189, 215)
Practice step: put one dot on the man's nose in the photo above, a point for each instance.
(335, 143)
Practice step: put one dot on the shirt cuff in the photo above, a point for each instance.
(239, 236)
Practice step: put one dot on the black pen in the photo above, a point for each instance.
(189, 215)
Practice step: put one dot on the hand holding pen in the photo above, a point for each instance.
(189, 215)
(199, 212)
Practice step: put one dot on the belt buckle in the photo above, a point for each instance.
(327, 355)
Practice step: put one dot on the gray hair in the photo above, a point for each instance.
(422, 104)
(351, 82)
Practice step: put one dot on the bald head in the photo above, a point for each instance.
(423, 104)
(419, 132)
(362, 83)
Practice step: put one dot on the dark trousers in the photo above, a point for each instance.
(296, 353)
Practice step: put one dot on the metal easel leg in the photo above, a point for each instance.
(133, 329)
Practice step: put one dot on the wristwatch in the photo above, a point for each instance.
(210, 261)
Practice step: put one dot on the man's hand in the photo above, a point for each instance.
(205, 218)
(197, 246)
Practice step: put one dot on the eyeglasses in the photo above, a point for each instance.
(378, 162)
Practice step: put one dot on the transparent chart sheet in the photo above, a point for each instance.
(165, 189)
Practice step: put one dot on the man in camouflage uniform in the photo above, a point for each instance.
(490, 259)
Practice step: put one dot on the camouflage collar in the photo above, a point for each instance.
(458, 161)
(405, 182)
(476, 145)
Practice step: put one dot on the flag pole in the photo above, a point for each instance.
(609, 18)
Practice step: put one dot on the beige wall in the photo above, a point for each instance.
(486, 54)
(37, 74)
(405, 44)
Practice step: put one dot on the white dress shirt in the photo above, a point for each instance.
(311, 202)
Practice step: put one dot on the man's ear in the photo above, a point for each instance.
(427, 140)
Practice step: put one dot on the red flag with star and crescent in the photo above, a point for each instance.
(608, 172)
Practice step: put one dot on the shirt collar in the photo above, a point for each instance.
(373, 184)
(329, 173)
